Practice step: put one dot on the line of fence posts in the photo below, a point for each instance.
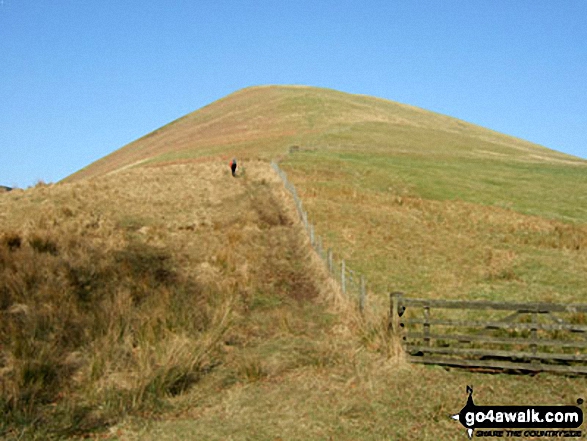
(349, 280)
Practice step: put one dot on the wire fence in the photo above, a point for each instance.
(352, 283)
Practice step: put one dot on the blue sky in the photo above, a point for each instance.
(80, 79)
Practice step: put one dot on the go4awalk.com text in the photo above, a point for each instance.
(520, 421)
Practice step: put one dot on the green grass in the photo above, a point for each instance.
(450, 227)
(555, 191)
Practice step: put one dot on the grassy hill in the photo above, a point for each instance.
(264, 121)
(183, 303)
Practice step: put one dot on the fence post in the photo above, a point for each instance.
(343, 278)
(396, 311)
(329, 259)
(363, 295)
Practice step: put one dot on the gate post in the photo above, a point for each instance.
(395, 313)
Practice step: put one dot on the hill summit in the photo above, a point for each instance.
(263, 121)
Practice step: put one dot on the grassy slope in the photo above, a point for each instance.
(418, 202)
(423, 180)
(395, 223)
(110, 309)
(263, 121)
(300, 372)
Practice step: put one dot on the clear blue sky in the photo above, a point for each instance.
(80, 79)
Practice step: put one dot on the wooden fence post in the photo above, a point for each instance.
(394, 318)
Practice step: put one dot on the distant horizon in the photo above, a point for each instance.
(79, 81)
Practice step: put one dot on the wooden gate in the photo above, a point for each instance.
(496, 335)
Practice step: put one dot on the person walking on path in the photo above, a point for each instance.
(233, 167)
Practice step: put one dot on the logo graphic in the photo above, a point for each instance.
(520, 417)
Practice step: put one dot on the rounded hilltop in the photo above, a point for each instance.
(263, 121)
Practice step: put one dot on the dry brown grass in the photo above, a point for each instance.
(95, 324)
(119, 293)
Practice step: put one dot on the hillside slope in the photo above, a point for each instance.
(110, 309)
(263, 121)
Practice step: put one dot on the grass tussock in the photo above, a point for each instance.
(82, 319)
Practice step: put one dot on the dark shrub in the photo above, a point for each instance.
(43, 245)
